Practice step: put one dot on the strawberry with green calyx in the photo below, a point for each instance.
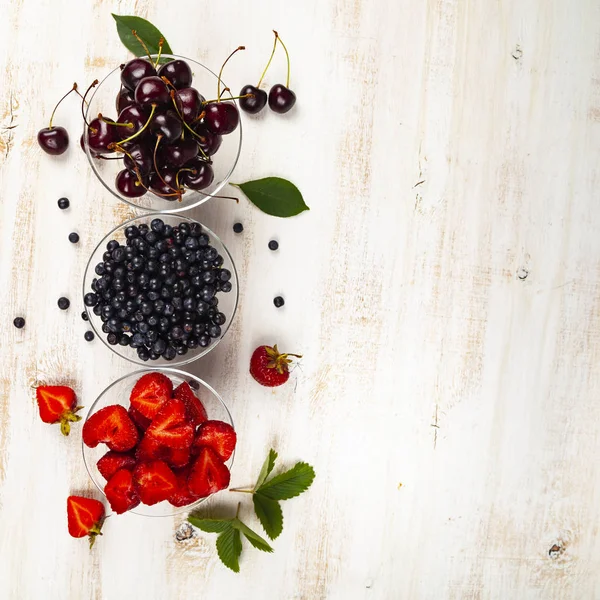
(58, 404)
(269, 367)
(85, 516)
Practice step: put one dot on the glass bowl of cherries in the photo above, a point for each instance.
(162, 133)
(161, 288)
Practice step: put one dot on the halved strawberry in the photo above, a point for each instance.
(113, 426)
(112, 461)
(57, 404)
(150, 392)
(155, 481)
(85, 517)
(194, 408)
(219, 436)
(120, 492)
(182, 495)
(139, 419)
(208, 474)
(149, 449)
(177, 457)
(170, 426)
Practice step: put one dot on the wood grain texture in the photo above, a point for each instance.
(444, 290)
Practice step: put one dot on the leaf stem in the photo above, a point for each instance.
(270, 59)
(242, 491)
(237, 512)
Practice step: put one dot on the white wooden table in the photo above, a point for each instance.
(444, 290)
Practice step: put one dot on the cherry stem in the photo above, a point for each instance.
(250, 95)
(160, 47)
(142, 44)
(270, 59)
(101, 156)
(94, 84)
(221, 71)
(177, 179)
(158, 139)
(287, 84)
(110, 122)
(73, 89)
(140, 131)
(173, 92)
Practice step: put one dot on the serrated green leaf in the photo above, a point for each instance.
(269, 514)
(145, 30)
(211, 525)
(229, 548)
(253, 537)
(274, 196)
(289, 484)
(266, 468)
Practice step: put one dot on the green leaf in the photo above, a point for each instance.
(252, 536)
(145, 30)
(274, 196)
(269, 514)
(210, 525)
(266, 468)
(289, 484)
(229, 548)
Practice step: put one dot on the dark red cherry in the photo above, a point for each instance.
(209, 142)
(200, 177)
(101, 135)
(190, 103)
(178, 72)
(221, 117)
(136, 70)
(142, 157)
(168, 125)
(132, 115)
(53, 140)
(165, 185)
(281, 99)
(127, 183)
(180, 152)
(152, 90)
(124, 99)
(255, 103)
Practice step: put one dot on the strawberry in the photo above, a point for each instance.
(195, 409)
(120, 492)
(269, 367)
(139, 419)
(149, 393)
(155, 481)
(113, 426)
(208, 474)
(85, 517)
(111, 462)
(182, 495)
(170, 427)
(177, 457)
(149, 449)
(57, 404)
(217, 435)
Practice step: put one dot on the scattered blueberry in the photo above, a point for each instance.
(19, 322)
(73, 237)
(89, 336)
(84, 316)
(278, 301)
(238, 227)
(194, 384)
(273, 245)
(63, 303)
(63, 203)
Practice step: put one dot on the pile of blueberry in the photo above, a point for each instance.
(158, 292)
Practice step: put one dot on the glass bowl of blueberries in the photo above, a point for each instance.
(161, 289)
(162, 133)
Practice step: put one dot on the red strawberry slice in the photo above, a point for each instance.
(150, 392)
(57, 404)
(155, 481)
(120, 492)
(85, 517)
(177, 457)
(208, 474)
(111, 462)
(194, 408)
(219, 436)
(170, 427)
(112, 426)
(149, 449)
(182, 495)
(139, 419)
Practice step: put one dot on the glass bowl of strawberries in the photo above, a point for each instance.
(158, 442)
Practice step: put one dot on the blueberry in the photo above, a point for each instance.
(273, 245)
(97, 310)
(143, 229)
(84, 316)
(19, 322)
(99, 269)
(63, 303)
(89, 336)
(159, 346)
(131, 232)
(90, 299)
(224, 275)
(170, 353)
(219, 319)
(193, 383)
(143, 354)
(204, 341)
(208, 276)
(238, 227)
(112, 338)
(207, 292)
(138, 340)
(112, 245)
(118, 254)
(157, 225)
(124, 340)
(189, 304)
(152, 336)
(203, 240)
(182, 350)
(278, 301)
(226, 286)
(191, 343)
(63, 203)
(177, 333)
(214, 331)
(191, 243)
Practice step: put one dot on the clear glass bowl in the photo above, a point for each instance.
(103, 99)
(227, 301)
(118, 392)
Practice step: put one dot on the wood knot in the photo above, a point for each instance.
(556, 551)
